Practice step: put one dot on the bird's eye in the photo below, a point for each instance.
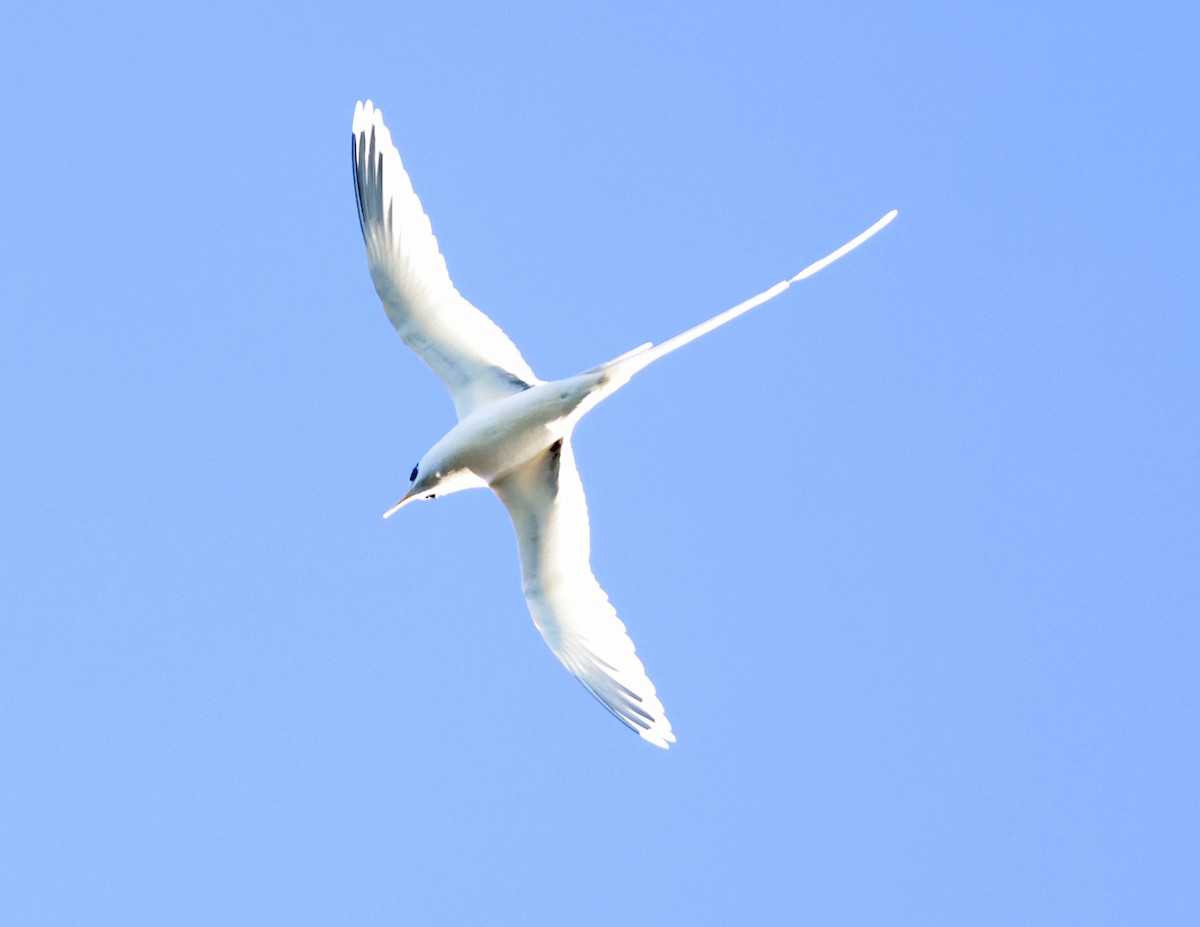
(412, 476)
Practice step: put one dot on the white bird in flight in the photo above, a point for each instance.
(514, 429)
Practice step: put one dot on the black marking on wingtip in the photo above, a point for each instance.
(358, 197)
(371, 155)
(637, 725)
(367, 161)
(633, 695)
(645, 714)
(627, 698)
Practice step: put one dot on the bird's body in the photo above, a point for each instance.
(514, 429)
(497, 438)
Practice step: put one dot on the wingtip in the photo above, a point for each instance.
(659, 732)
(366, 115)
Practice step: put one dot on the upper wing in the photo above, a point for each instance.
(545, 500)
(470, 354)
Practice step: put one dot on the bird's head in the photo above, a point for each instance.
(430, 479)
(423, 483)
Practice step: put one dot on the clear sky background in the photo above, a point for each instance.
(912, 553)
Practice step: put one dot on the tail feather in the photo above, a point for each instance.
(623, 367)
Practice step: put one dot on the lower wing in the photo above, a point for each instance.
(545, 500)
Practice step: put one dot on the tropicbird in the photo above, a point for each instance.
(514, 429)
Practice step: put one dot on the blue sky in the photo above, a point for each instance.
(911, 552)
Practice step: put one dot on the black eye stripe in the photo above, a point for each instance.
(412, 476)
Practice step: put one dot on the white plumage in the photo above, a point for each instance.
(470, 354)
(514, 430)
